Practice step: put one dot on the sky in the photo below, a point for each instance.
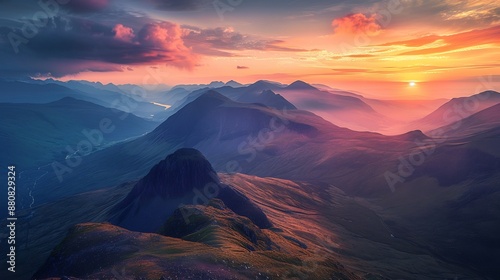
(391, 49)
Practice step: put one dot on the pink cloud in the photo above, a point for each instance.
(123, 33)
(104, 48)
(164, 41)
(86, 6)
(357, 23)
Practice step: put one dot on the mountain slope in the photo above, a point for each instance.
(216, 225)
(268, 98)
(25, 92)
(249, 138)
(113, 97)
(258, 92)
(481, 122)
(35, 91)
(184, 177)
(40, 133)
(319, 232)
(456, 110)
(153, 256)
(343, 110)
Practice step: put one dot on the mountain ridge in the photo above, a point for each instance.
(183, 177)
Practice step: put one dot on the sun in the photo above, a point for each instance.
(412, 84)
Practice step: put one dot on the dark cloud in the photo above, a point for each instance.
(73, 45)
(180, 5)
(221, 41)
(242, 67)
(86, 6)
(111, 41)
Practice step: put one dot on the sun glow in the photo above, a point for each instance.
(412, 84)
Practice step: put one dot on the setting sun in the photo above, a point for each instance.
(412, 84)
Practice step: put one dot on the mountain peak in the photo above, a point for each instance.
(274, 100)
(263, 84)
(179, 173)
(66, 99)
(488, 93)
(300, 85)
(72, 101)
(413, 135)
(213, 94)
(215, 84)
(482, 96)
(178, 179)
(234, 84)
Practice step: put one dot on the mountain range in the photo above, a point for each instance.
(256, 177)
(40, 133)
(35, 91)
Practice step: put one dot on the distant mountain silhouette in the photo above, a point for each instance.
(339, 108)
(37, 134)
(249, 138)
(457, 109)
(211, 85)
(300, 85)
(26, 92)
(180, 97)
(263, 85)
(35, 91)
(485, 121)
(268, 98)
(234, 84)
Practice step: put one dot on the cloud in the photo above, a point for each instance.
(86, 6)
(123, 33)
(242, 67)
(70, 44)
(180, 5)
(446, 14)
(222, 41)
(473, 38)
(350, 56)
(356, 23)
(350, 70)
(418, 42)
(164, 41)
(73, 45)
(472, 12)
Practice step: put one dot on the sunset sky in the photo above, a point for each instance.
(446, 48)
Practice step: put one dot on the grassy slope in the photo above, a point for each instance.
(99, 251)
(314, 226)
(350, 229)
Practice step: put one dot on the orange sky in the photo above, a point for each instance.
(447, 48)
